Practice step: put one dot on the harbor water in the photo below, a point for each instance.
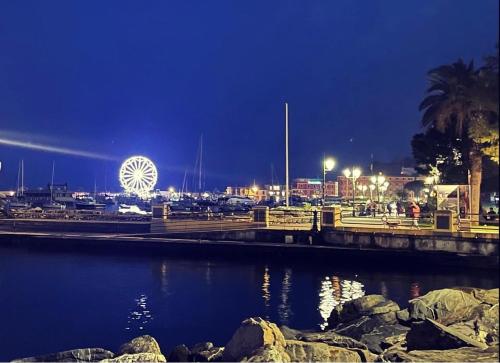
(58, 301)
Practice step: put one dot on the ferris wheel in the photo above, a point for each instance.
(138, 175)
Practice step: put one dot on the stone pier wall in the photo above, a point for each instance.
(428, 242)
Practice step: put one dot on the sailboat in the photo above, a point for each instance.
(52, 204)
(18, 202)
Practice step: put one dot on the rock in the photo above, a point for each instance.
(289, 333)
(384, 308)
(137, 357)
(269, 354)
(367, 302)
(200, 347)
(366, 324)
(253, 334)
(212, 355)
(142, 344)
(451, 355)
(331, 338)
(365, 355)
(489, 297)
(403, 316)
(429, 334)
(383, 336)
(180, 353)
(369, 305)
(206, 352)
(75, 355)
(299, 351)
(447, 306)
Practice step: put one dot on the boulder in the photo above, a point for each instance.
(368, 305)
(75, 355)
(180, 353)
(289, 333)
(447, 306)
(384, 336)
(212, 355)
(489, 297)
(253, 334)
(200, 347)
(365, 355)
(331, 338)
(429, 334)
(137, 357)
(142, 344)
(366, 324)
(403, 316)
(269, 353)
(469, 354)
(206, 352)
(299, 351)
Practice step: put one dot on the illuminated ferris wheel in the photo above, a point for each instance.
(138, 175)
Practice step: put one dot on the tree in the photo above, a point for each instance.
(464, 98)
(442, 150)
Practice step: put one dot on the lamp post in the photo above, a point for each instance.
(378, 181)
(363, 188)
(328, 165)
(372, 188)
(353, 174)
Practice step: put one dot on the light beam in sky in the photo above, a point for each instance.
(55, 149)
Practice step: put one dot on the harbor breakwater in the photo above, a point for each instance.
(454, 324)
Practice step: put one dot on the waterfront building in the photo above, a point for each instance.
(313, 188)
(270, 191)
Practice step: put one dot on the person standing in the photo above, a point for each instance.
(415, 214)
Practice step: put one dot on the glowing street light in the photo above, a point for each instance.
(353, 174)
(328, 165)
(363, 188)
(380, 184)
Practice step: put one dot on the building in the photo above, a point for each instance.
(313, 188)
(363, 189)
(57, 192)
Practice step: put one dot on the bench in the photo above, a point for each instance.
(391, 224)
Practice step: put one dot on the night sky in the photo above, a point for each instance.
(118, 78)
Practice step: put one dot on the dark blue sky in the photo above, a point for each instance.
(127, 77)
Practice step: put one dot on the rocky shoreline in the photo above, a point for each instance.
(457, 324)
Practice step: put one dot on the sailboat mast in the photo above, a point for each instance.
(52, 181)
(201, 161)
(22, 177)
(287, 181)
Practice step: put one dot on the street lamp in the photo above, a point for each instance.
(353, 174)
(379, 182)
(363, 188)
(328, 165)
(372, 188)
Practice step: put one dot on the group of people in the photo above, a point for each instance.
(396, 209)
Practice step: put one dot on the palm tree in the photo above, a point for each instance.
(460, 96)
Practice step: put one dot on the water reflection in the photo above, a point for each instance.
(139, 315)
(266, 293)
(383, 289)
(284, 308)
(208, 273)
(334, 292)
(414, 290)
(164, 278)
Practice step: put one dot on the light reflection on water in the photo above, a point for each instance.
(285, 308)
(266, 293)
(140, 315)
(334, 292)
